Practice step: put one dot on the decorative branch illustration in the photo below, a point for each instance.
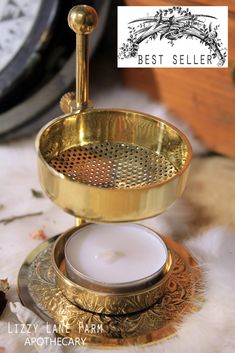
(172, 24)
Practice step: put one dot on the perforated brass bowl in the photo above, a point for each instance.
(112, 165)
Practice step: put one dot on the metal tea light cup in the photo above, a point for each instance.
(108, 298)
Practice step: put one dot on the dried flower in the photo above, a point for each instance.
(39, 234)
(37, 194)
(4, 285)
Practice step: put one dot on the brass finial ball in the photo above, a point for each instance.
(82, 19)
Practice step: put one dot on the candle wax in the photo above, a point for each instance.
(115, 253)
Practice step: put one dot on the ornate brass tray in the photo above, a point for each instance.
(39, 292)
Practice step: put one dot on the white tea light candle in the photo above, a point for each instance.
(114, 253)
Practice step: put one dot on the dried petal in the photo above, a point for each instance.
(39, 234)
(4, 285)
(37, 194)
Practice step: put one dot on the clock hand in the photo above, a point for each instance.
(11, 11)
(3, 4)
(4, 20)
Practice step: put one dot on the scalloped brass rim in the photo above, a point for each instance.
(110, 299)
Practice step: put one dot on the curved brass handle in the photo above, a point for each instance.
(82, 19)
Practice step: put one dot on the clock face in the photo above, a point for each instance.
(17, 18)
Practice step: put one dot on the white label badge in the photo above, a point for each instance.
(171, 37)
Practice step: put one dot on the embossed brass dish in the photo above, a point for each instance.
(39, 292)
(113, 299)
(109, 165)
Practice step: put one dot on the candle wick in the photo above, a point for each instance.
(109, 256)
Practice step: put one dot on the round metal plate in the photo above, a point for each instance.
(38, 291)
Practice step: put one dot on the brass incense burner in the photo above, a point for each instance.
(107, 165)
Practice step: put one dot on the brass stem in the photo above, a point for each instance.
(79, 221)
(82, 71)
(82, 19)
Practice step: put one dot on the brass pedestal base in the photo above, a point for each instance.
(39, 292)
